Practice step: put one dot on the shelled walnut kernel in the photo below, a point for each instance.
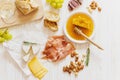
(93, 6)
(73, 54)
(99, 9)
(73, 68)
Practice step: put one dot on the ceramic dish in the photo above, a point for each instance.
(72, 39)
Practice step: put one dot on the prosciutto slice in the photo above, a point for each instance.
(57, 48)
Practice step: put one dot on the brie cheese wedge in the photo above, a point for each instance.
(26, 57)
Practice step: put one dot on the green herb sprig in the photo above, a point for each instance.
(88, 57)
(29, 43)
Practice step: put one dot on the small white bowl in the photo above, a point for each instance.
(74, 40)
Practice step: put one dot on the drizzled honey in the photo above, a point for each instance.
(70, 26)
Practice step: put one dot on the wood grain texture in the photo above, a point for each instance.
(18, 18)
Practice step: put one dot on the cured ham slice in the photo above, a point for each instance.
(57, 48)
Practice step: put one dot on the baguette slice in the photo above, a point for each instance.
(26, 6)
(51, 25)
(52, 16)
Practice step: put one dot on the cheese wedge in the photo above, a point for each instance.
(41, 72)
(27, 6)
(42, 75)
(26, 57)
(37, 68)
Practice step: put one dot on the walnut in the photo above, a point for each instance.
(64, 69)
(73, 54)
(82, 67)
(99, 9)
(74, 66)
(69, 71)
(93, 6)
(76, 58)
(79, 63)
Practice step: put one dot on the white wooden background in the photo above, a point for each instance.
(104, 65)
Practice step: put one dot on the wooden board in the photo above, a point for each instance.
(19, 18)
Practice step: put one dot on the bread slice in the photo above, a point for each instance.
(51, 25)
(26, 6)
(52, 16)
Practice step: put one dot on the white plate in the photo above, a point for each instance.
(14, 50)
(78, 41)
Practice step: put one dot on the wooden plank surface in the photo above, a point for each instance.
(18, 18)
(103, 65)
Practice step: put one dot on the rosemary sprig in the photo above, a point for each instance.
(88, 57)
(29, 43)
